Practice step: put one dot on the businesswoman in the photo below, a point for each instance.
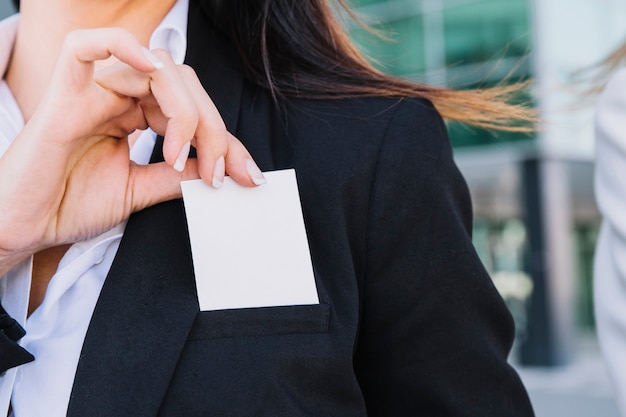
(408, 323)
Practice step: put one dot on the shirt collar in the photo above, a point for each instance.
(171, 34)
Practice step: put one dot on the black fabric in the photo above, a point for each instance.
(409, 322)
(11, 353)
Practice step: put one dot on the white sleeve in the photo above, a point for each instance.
(610, 257)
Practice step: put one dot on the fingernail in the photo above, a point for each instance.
(218, 173)
(255, 173)
(152, 58)
(179, 165)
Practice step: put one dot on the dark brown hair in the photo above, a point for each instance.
(297, 48)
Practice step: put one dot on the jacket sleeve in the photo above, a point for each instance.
(610, 256)
(435, 333)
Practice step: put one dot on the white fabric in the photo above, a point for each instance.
(610, 257)
(56, 330)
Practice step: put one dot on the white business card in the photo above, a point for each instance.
(249, 245)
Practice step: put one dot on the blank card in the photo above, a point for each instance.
(249, 245)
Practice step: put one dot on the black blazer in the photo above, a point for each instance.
(409, 323)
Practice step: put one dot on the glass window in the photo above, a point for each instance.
(458, 43)
(479, 31)
(400, 50)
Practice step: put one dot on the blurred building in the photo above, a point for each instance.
(535, 217)
(6, 8)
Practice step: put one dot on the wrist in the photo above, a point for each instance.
(9, 260)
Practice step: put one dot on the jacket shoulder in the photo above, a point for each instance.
(412, 123)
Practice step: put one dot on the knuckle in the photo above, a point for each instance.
(186, 71)
(233, 140)
(222, 138)
(119, 35)
(162, 54)
(216, 125)
(187, 113)
(235, 145)
(72, 39)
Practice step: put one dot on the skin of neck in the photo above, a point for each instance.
(45, 23)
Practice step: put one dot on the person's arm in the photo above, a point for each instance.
(68, 176)
(610, 256)
(435, 334)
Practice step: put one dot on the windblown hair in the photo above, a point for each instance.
(297, 48)
(597, 75)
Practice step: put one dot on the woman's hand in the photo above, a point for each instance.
(176, 106)
(67, 176)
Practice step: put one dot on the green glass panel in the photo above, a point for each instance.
(484, 30)
(401, 53)
(476, 33)
(360, 3)
(462, 135)
(584, 239)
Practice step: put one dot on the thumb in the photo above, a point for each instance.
(156, 183)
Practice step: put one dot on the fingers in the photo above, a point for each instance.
(176, 106)
(124, 80)
(211, 135)
(82, 48)
(155, 183)
(168, 106)
(240, 165)
(73, 104)
(218, 150)
(126, 123)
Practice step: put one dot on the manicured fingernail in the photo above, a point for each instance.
(179, 165)
(218, 173)
(152, 58)
(255, 173)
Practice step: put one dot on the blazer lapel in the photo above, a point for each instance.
(141, 320)
(148, 303)
(215, 62)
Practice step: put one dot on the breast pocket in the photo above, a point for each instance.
(261, 321)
